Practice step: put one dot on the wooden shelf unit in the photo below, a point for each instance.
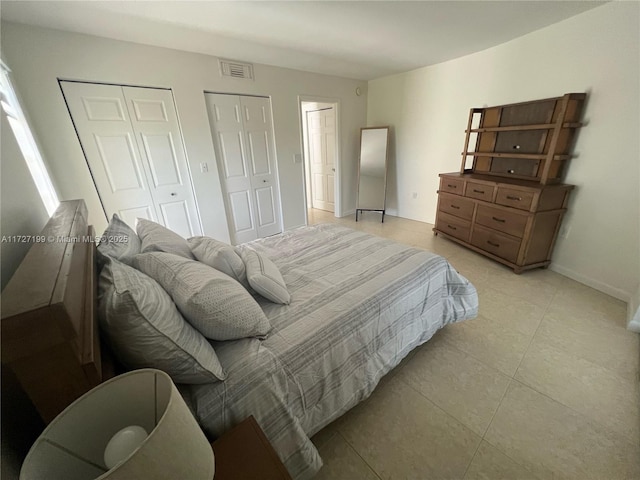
(509, 205)
(541, 131)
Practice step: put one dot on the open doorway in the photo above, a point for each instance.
(320, 142)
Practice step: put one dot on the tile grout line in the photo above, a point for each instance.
(544, 314)
(588, 418)
(504, 394)
(512, 377)
(338, 432)
(466, 470)
(451, 416)
(439, 407)
(509, 457)
(448, 342)
(523, 383)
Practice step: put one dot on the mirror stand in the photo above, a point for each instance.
(369, 210)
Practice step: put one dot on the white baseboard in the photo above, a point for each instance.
(601, 286)
(633, 301)
(294, 226)
(347, 213)
(634, 323)
(634, 312)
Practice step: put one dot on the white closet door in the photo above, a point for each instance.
(225, 119)
(243, 137)
(133, 145)
(101, 119)
(322, 133)
(262, 164)
(155, 123)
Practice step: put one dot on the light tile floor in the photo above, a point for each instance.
(542, 385)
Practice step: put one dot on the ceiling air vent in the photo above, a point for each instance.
(231, 68)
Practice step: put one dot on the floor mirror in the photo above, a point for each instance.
(372, 170)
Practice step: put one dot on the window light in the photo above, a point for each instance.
(26, 142)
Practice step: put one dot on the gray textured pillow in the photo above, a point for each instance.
(214, 303)
(156, 238)
(264, 276)
(220, 256)
(118, 241)
(145, 329)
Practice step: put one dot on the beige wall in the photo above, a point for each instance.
(39, 56)
(595, 52)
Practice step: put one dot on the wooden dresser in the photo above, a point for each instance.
(509, 203)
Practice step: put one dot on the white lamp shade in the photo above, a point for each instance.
(72, 446)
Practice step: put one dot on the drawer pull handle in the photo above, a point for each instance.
(451, 186)
(501, 220)
(451, 227)
(478, 191)
(497, 245)
(455, 206)
(511, 197)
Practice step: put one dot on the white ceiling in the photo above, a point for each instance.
(355, 39)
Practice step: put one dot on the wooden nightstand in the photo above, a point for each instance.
(244, 453)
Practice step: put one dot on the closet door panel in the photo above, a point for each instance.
(243, 136)
(101, 119)
(227, 130)
(155, 123)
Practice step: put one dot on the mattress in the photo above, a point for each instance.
(359, 305)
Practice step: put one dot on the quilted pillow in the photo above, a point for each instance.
(118, 241)
(264, 276)
(214, 303)
(156, 238)
(145, 329)
(220, 256)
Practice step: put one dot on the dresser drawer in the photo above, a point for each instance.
(501, 220)
(493, 242)
(454, 226)
(479, 191)
(451, 185)
(454, 205)
(514, 198)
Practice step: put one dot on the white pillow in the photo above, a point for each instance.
(118, 241)
(145, 329)
(220, 256)
(214, 303)
(264, 276)
(156, 238)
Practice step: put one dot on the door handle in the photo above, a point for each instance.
(333, 169)
(264, 181)
(174, 194)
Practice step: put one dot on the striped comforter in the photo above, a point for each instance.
(360, 304)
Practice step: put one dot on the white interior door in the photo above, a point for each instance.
(101, 119)
(256, 116)
(243, 137)
(133, 146)
(155, 122)
(321, 126)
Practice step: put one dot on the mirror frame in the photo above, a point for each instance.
(386, 164)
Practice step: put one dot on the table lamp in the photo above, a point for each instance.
(134, 426)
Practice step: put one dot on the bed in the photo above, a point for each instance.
(359, 305)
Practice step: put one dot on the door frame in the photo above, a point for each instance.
(337, 188)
